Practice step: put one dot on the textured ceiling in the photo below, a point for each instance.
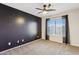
(30, 7)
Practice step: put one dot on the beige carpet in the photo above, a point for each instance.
(42, 47)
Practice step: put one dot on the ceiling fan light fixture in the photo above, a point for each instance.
(44, 12)
(45, 9)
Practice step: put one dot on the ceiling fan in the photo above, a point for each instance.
(46, 9)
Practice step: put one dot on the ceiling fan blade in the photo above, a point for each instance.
(39, 9)
(39, 12)
(51, 10)
(49, 5)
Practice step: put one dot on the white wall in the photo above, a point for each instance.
(74, 28)
(73, 17)
(43, 27)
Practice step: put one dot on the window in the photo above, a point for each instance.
(56, 27)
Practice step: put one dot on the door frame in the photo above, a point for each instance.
(46, 35)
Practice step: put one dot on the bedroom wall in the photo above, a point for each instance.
(73, 18)
(14, 26)
(43, 27)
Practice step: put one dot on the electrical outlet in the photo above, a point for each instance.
(9, 43)
(18, 41)
(22, 40)
(37, 36)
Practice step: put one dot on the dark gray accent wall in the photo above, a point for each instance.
(11, 31)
